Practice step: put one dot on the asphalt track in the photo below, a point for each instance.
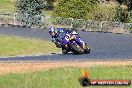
(106, 46)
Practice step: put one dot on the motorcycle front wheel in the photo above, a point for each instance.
(86, 49)
(76, 49)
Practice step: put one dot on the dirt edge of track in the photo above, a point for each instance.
(25, 67)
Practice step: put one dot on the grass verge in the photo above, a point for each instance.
(64, 77)
(13, 46)
(7, 6)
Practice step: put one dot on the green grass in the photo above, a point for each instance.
(64, 77)
(12, 46)
(7, 6)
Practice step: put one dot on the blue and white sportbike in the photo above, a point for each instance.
(72, 43)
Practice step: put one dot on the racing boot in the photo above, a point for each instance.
(64, 51)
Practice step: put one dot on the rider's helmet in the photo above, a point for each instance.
(52, 31)
(55, 32)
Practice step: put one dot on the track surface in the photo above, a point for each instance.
(103, 45)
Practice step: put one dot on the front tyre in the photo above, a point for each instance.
(76, 49)
(86, 49)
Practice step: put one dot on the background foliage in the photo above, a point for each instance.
(122, 14)
(102, 13)
(74, 8)
(30, 11)
(91, 10)
(50, 4)
(128, 3)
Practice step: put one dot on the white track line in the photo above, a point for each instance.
(31, 55)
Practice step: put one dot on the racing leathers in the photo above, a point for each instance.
(59, 34)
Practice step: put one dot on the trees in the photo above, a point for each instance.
(126, 2)
(74, 8)
(129, 4)
(30, 11)
(121, 14)
(50, 4)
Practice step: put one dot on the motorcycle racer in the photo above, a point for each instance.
(57, 34)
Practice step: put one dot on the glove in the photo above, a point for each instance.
(58, 45)
(53, 40)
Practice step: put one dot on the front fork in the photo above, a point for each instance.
(80, 41)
